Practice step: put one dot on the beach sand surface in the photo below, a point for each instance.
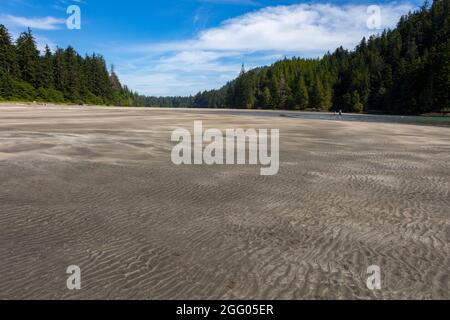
(95, 187)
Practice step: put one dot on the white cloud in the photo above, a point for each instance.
(183, 73)
(260, 37)
(302, 28)
(46, 23)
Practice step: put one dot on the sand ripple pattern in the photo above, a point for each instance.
(96, 188)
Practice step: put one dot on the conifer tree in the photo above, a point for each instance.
(28, 58)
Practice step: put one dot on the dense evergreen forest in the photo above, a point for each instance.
(61, 77)
(64, 76)
(405, 70)
(401, 71)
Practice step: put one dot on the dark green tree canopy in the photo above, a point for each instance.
(62, 76)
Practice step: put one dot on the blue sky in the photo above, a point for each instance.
(179, 47)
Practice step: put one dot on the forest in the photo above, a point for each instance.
(64, 76)
(401, 71)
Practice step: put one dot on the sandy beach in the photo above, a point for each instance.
(95, 187)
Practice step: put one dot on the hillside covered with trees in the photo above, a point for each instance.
(405, 70)
(64, 76)
(61, 77)
(401, 71)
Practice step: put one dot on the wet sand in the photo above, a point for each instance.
(95, 187)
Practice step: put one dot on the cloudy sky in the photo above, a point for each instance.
(180, 47)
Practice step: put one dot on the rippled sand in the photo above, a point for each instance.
(95, 187)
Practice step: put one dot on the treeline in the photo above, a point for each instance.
(405, 70)
(64, 76)
(61, 77)
(163, 102)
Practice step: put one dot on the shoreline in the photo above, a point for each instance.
(43, 104)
